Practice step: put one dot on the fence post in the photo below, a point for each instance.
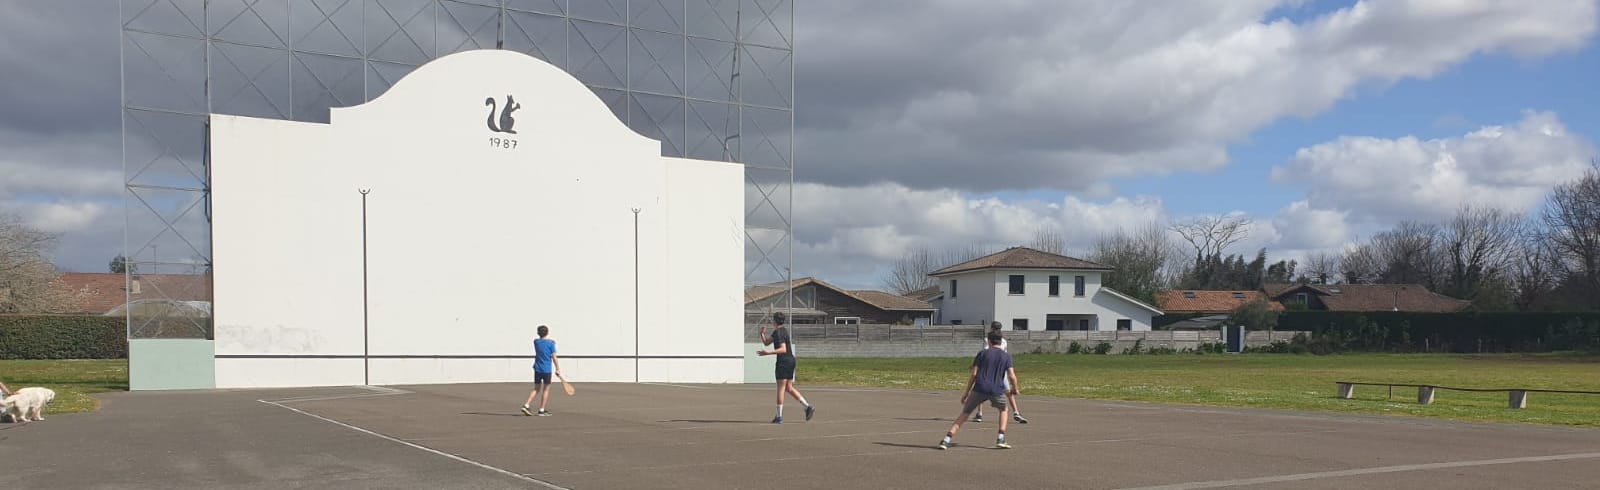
(1425, 395)
(1519, 399)
(1346, 390)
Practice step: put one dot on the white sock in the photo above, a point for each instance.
(803, 402)
(780, 410)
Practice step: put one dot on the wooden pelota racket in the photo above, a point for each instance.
(564, 386)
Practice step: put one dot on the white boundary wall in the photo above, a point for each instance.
(471, 242)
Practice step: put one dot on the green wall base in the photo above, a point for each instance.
(171, 364)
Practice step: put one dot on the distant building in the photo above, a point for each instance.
(817, 302)
(1363, 297)
(1210, 302)
(1027, 289)
(97, 293)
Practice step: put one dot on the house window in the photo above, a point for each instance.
(1083, 324)
(847, 320)
(1016, 285)
(804, 321)
(1055, 285)
(952, 288)
(1124, 324)
(1077, 286)
(1188, 295)
(1055, 324)
(1238, 295)
(1302, 299)
(1019, 323)
(955, 322)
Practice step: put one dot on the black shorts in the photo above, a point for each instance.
(541, 378)
(784, 370)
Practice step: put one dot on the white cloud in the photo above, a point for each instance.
(1384, 180)
(59, 217)
(847, 234)
(1026, 95)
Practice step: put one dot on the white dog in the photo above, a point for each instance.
(27, 403)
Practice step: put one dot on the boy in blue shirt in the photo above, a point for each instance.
(544, 360)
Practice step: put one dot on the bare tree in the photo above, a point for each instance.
(1571, 218)
(1049, 239)
(1479, 244)
(1409, 254)
(1359, 265)
(1211, 235)
(1321, 267)
(910, 272)
(1140, 260)
(27, 279)
(1533, 272)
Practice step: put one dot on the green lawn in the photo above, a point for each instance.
(72, 380)
(1270, 380)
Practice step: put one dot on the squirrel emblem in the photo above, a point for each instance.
(506, 121)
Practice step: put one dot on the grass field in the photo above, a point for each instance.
(1300, 382)
(72, 380)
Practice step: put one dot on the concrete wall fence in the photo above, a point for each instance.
(963, 340)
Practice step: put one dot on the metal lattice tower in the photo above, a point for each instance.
(710, 79)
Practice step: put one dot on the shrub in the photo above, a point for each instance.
(1075, 348)
(63, 337)
(1161, 351)
(1138, 348)
(1102, 348)
(1464, 332)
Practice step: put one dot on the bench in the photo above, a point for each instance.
(1518, 397)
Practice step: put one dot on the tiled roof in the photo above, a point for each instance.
(1021, 258)
(1388, 297)
(1197, 301)
(100, 292)
(925, 294)
(891, 301)
(878, 299)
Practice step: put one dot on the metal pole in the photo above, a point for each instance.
(366, 352)
(636, 295)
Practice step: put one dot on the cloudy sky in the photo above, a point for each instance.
(945, 123)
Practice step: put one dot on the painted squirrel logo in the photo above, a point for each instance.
(505, 115)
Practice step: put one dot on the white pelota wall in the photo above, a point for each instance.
(470, 244)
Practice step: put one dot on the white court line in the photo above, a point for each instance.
(512, 474)
(929, 449)
(1366, 471)
(380, 391)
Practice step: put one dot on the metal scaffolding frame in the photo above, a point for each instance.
(710, 79)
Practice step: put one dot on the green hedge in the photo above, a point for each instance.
(1466, 332)
(63, 337)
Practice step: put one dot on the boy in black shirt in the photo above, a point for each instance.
(783, 347)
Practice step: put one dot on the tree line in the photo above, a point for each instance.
(1548, 260)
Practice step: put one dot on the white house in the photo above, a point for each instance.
(1026, 289)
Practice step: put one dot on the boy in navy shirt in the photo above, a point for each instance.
(544, 363)
(991, 375)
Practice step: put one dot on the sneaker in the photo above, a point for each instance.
(1001, 445)
(977, 418)
(809, 412)
(943, 445)
(777, 420)
(525, 411)
(544, 413)
(1019, 419)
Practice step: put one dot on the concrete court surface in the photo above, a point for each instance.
(668, 436)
